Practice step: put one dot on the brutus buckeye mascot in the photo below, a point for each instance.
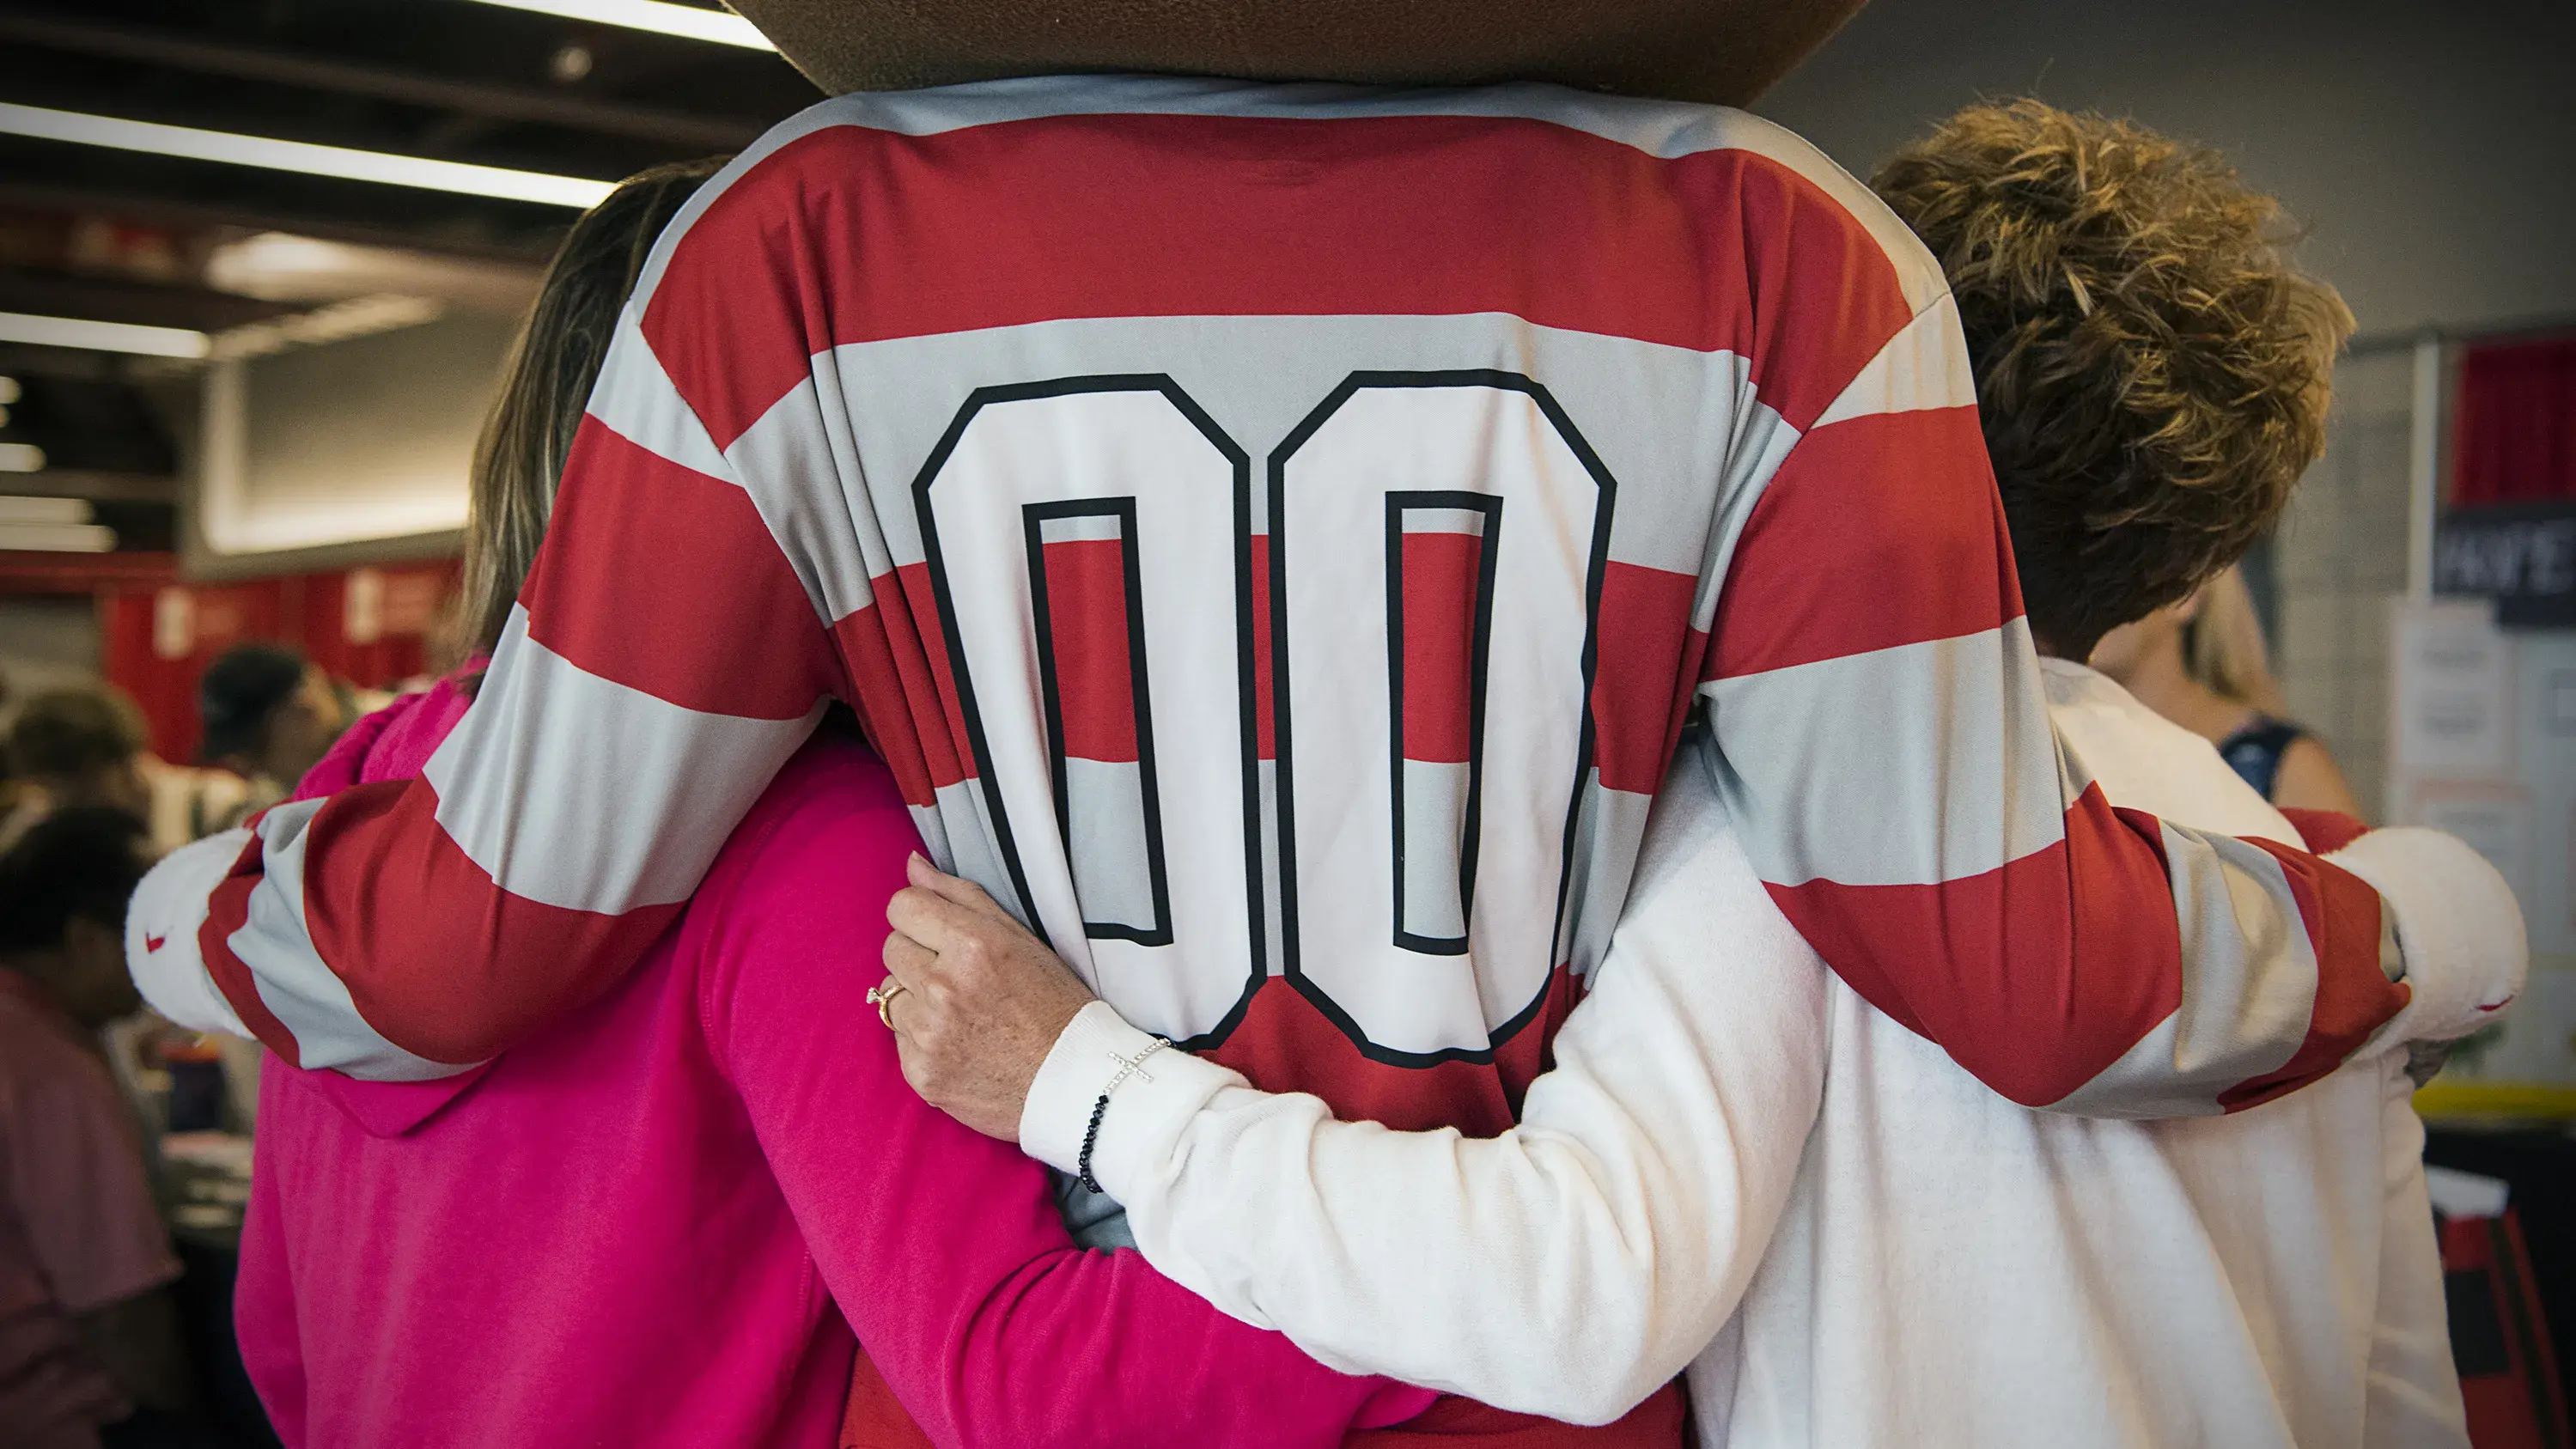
(1275, 481)
(1720, 52)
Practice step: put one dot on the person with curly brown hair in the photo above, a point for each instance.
(701, 1210)
(2143, 358)
(1738, 1164)
(2152, 372)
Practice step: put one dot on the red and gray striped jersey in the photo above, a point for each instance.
(1275, 534)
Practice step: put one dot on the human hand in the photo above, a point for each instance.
(977, 1000)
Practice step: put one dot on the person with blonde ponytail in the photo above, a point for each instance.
(2200, 662)
(704, 1209)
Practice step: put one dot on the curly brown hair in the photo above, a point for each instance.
(2151, 371)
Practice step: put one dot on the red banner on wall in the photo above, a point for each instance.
(155, 639)
(2514, 433)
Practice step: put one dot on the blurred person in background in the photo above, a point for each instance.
(2200, 662)
(269, 714)
(75, 747)
(13, 791)
(678, 1215)
(90, 1345)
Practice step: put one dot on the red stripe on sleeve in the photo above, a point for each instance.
(1881, 530)
(380, 868)
(2034, 977)
(2354, 996)
(1644, 673)
(2324, 831)
(667, 581)
(228, 911)
(852, 235)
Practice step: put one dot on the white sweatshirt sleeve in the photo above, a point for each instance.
(1568, 1268)
(2461, 931)
(1572, 1266)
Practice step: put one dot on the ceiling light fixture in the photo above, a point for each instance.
(302, 156)
(57, 537)
(20, 509)
(658, 16)
(103, 336)
(22, 458)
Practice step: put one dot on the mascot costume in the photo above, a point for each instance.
(1274, 481)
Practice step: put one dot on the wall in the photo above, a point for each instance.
(45, 643)
(2425, 143)
(319, 447)
(2339, 558)
(155, 639)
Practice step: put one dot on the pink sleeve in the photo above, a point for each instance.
(944, 1247)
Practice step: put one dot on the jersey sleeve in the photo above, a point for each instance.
(1875, 693)
(1567, 1268)
(667, 655)
(943, 1247)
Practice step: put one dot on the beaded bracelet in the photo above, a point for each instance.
(1127, 1067)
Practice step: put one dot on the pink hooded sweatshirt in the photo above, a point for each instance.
(648, 1224)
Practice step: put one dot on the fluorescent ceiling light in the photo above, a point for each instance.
(18, 509)
(301, 156)
(281, 267)
(357, 317)
(57, 537)
(688, 21)
(103, 336)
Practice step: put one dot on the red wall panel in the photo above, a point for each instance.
(2514, 433)
(372, 627)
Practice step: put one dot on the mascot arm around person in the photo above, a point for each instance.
(1275, 532)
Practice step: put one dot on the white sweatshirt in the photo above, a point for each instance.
(1733, 1140)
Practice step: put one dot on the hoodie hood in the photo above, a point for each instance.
(394, 743)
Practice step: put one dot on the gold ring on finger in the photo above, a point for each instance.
(881, 996)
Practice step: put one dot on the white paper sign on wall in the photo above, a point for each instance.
(174, 623)
(2454, 691)
(362, 613)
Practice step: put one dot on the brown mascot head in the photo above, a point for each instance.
(1723, 51)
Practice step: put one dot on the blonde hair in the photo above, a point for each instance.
(2152, 374)
(545, 385)
(2222, 645)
